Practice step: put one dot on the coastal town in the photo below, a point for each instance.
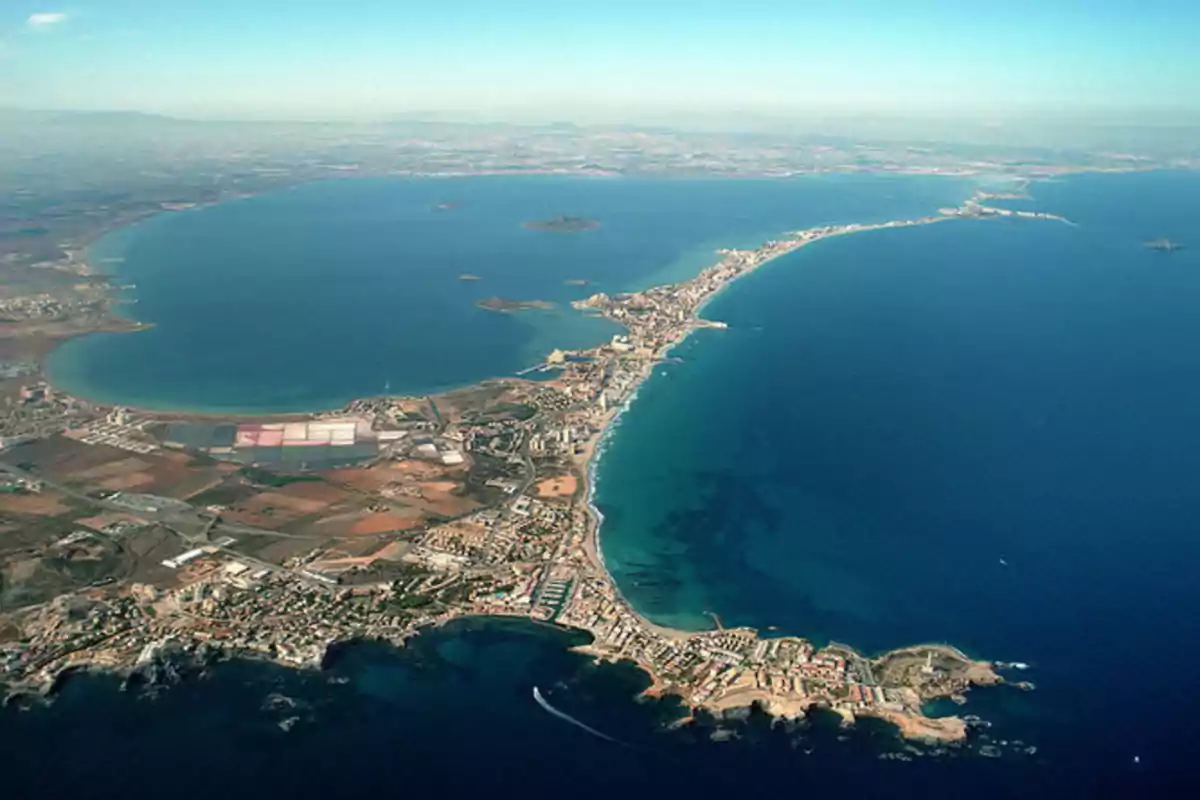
(160, 538)
(470, 399)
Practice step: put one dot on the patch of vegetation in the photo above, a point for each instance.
(265, 478)
(38, 578)
(459, 592)
(202, 460)
(407, 570)
(475, 398)
(411, 601)
(517, 411)
(222, 496)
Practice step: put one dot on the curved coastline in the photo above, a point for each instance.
(236, 389)
(192, 410)
(90, 251)
(658, 320)
(591, 465)
(596, 521)
(971, 208)
(985, 609)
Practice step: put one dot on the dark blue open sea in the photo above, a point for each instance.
(984, 433)
(977, 432)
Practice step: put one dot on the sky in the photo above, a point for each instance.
(615, 60)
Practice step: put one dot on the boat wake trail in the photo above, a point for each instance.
(541, 701)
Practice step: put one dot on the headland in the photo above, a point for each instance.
(474, 502)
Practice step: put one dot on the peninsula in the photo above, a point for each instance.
(563, 224)
(473, 502)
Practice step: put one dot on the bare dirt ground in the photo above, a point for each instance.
(393, 551)
(43, 504)
(442, 504)
(100, 466)
(274, 509)
(109, 469)
(315, 491)
(133, 481)
(383, 522)
(281, 500)
(372, 479)
(560, 486)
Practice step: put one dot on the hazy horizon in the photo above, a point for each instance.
(1106, 62)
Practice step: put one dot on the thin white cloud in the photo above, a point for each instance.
(46, 19)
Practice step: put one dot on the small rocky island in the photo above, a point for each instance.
(563, 224)
(466, 276)
(502, 306)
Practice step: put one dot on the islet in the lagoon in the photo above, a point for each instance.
(563, 224)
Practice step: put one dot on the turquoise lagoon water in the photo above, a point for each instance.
(304, 299)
